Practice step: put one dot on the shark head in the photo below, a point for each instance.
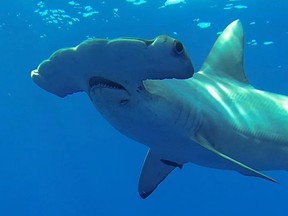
(113, 66)
(112, 72)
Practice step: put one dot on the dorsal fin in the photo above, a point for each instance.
(226, 56)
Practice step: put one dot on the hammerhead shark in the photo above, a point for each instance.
(147, 89)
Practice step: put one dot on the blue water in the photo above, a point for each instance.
(60, 157)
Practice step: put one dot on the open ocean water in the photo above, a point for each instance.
(60, 157)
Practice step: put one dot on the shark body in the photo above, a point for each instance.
(215, 118)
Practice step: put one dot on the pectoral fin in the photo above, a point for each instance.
(242, 168)
(154, 171)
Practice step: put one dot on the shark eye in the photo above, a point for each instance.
(178, 47)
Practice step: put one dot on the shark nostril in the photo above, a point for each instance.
(124, 101)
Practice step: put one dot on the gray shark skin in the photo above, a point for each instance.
(214, 118)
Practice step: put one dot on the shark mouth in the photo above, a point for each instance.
(100, 83)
